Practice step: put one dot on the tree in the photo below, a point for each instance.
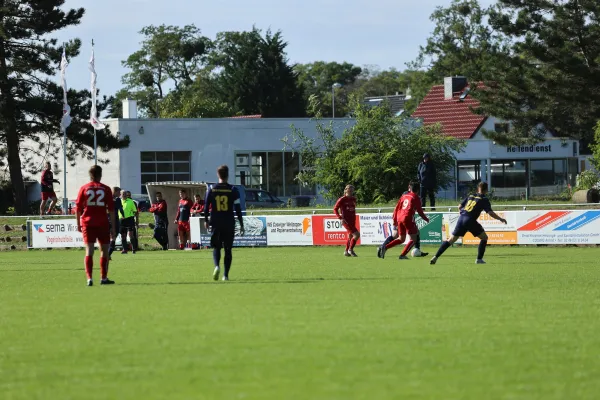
(170, 56)
(596, 148)
(379, 155)
(462, 43)
(317, 79)
(194, 101)
(30, 102)
(553, 77)
(254, 76)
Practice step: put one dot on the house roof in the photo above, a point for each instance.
(454, 115)
(396, 102)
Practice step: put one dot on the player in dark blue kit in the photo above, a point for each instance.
(221, 201)
(470, 210)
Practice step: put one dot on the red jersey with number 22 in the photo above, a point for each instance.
(94, 201)
(406, 207)
(345, 208)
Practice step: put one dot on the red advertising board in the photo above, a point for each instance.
(328, 230)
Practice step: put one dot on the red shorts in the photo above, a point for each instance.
(91, 234)
(350, 228)
(48, 195)
(407, 226)
(183, 226)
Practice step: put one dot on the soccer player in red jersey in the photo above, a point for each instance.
(198, 207)
(183, 218)
(404, 222)
(47, 183)
(345, 210)
(94, 201)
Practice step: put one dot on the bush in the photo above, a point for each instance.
(587, 180)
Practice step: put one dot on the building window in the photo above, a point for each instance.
(548, 177)
(501, 127)
(509, 178)
(274, 172)
(164, 166)
(468, 176)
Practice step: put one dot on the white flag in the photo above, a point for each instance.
(94, 113)
(66, 117)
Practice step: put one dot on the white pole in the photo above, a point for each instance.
(95, 148)
(65, 198)
(333, 101)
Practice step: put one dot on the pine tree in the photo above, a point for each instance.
(30, 99)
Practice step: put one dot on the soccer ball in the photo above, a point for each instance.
(416, 253)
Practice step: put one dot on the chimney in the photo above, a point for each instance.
(452, 85)
(129, 109)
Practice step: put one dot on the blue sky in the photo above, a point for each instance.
(377, 32)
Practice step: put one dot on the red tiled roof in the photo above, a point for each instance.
(246, 116)
(454, 115)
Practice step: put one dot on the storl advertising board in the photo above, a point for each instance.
(290, 230)
(53, 233)
(375, 228)
(328, 230)
(559, 227)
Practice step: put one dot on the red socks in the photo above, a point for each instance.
(347, 245)
(352, 243)
(89, 264)
(407, 248)
(393, 243)
(103, 267)
(181, 246)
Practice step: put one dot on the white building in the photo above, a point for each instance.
(192, 149)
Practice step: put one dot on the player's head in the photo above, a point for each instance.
(116, 191)
(124, 194)
(349, 190)
(128, 194)
(197, 197)
(426, 157)
(482, 187)
(182, 194)
(223, 173)
(413, 187)
(158, 196)
(47, 166)
(95, 173)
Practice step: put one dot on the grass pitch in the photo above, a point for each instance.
(303, 324)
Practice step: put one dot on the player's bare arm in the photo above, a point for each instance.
(497, 217)
(78, 213)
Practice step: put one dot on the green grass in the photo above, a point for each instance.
(303, 324)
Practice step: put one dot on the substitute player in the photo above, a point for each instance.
(404, 221)
(47, 183)
(198, 206)
(470, 210)
(94, 201)
(345, 210)
(221, 201)
(183, 218)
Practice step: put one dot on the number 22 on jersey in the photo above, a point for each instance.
(95, 197)
(222, 204)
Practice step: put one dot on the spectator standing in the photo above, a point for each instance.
(129, 222)
(161, 221)
(47, 182)
(118, 213)
(428, 180)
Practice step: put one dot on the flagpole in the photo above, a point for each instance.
(65, 198)
(95, 148)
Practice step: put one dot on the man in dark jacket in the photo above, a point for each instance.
(118, 211)
(428, 180)
(161, 221)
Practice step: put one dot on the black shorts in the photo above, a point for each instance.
(128, 223)
(465, 224)
(222, 237)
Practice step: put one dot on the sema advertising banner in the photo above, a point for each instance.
(290, 230)
(328, 230)
(559, 227)
(59, 233)
(255, 232)
(375, 228)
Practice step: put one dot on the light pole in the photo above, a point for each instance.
(333, 87)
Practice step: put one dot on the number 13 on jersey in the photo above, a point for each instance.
(222, 203)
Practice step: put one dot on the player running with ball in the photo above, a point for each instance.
(404, 222)
(345, 210)
(470, 210)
